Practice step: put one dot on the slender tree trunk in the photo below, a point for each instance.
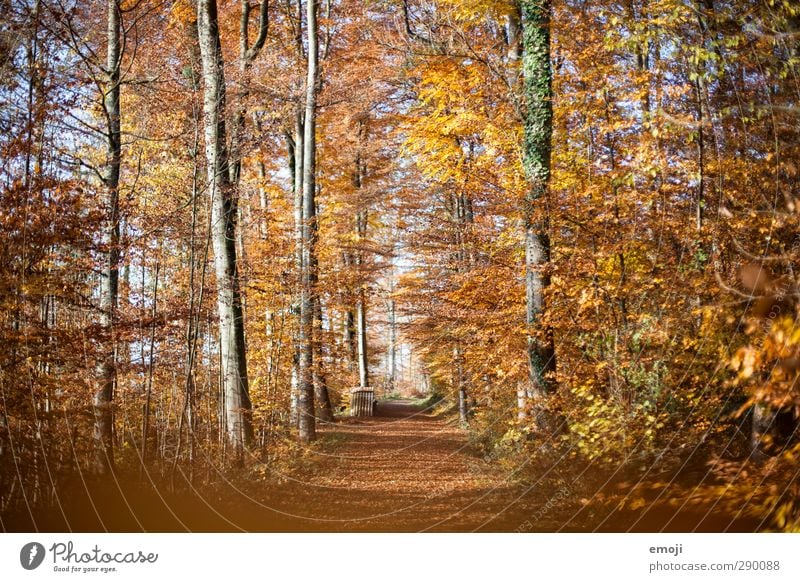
(361, 221)
(537, 75)
(195, 304)
(462, 217)
(391, 375)
(233, 362)
(361, 302)
(514, 41)
(307, 424)
(298, 261)
(363, 355)
(513, 38)
(263, 199)
(299, 152)
(349, 319)
(247, 54)
(702, 92)
(460, 384)
(321, 395)
(150, 368)
(109, 285)
(294, 390)
(349, 337)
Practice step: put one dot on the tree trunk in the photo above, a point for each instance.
(150, 367)
(195, 304)
(537, 75)
(299, 153)
(349, 337)
(462, 217)
(298, 260)
(361, 307)
(363, 356)
(307, 424)
(233, 362)
(361, 220)
(514, 40)
(321, 395)
(514, 53)
(247, 54)
(391, 372)
(460, 385)
(109, 285)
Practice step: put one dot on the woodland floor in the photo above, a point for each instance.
(404, 470)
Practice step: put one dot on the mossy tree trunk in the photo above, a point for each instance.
(537, 86)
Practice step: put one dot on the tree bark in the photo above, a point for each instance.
(321, 395)
(349, 337)
(307, 421)
(513, 33)
(462, 217)
(233, 362)
(460, 385)
(195, 303)
(109, 285)
(150, 367)
(299, 152)
(247, 55)
(361, 220)
(537, 81)
(361, 302)
(391, 372)
(363, 356)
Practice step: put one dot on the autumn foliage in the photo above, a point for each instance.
(671, 210)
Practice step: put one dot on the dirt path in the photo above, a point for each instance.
(403, 470)
(409, 470)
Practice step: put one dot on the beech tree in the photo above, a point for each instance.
(218, 218)
(233, 358)
(537, 81)
(308, 273)
(109, 286)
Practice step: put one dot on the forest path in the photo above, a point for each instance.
(409, 469)
(405, 469)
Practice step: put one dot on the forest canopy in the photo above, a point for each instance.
(575, 224)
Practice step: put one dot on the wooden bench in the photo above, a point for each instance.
(362, 401)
